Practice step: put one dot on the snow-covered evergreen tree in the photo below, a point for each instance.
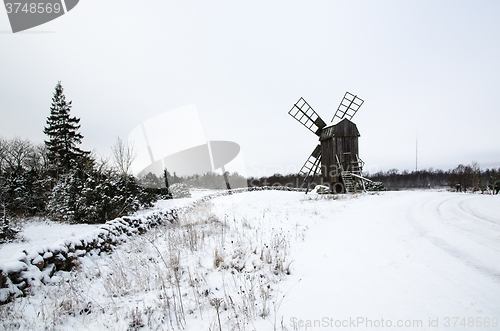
(64, 137)
(96, 196)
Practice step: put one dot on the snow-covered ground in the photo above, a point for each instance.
(404, 260)
(38, 232)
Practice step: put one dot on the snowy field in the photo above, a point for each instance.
(276, 260)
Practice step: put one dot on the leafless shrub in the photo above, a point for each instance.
(123, 156)
(137, 321)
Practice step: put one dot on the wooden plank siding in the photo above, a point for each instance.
(337, 140)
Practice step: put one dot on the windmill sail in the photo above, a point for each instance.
(310, 168)
(306, 116)
(348, 106)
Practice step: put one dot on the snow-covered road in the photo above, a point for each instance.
(414, 259)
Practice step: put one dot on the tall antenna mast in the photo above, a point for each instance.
(416, 152)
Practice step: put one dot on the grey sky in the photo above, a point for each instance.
(426, 67)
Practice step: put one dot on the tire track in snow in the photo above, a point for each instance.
(465, 205)
(460, 233)
(468, 221)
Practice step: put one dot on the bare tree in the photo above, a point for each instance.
(40, 159)
(123, 156)
(21, 154)
(17, 154)
(465, 177)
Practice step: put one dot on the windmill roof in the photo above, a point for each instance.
(344, 128)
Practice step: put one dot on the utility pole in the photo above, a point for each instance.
(165, 175)
(224, 173)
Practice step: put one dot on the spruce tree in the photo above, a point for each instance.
(64, 137)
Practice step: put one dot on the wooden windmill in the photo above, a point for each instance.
(337, 152)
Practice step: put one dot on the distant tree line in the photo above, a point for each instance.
(215, 181)
(395, 180)
(209, 180)
(463, 178)
(290, 180)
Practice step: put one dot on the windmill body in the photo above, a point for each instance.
(336, 158)
(338, 142)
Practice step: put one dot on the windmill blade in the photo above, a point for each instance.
(306, 116)
(311, 162)
(310, 168)
(348, 106)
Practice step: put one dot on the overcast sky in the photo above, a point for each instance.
(426, 68)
